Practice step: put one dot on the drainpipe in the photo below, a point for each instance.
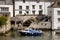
(13, 1)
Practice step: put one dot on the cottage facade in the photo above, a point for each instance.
(54, 12)
(6, 6)
(32, 7)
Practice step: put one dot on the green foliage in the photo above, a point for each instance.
(3, 20)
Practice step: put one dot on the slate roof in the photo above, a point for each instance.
(56, 4)
(6, 2)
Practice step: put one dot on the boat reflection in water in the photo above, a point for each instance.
(47, 35)
(30, 32)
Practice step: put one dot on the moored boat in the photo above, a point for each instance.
(30, 32)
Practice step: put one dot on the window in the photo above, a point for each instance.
(40, 12)
(58, 19)
(23, 1)
(27, 7)
(33, 12)
(40, 6)
(20, 7)
(20, 12)
(33, 6)
(58, 12)
(4, 9)
(27, 12)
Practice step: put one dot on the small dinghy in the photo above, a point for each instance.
(30, 32)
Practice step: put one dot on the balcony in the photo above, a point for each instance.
(22, 9)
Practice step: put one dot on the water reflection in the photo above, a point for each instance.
(48, 35)
(55, 36)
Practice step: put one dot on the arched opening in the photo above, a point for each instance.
(27, 23)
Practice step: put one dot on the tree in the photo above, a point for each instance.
(3, 20)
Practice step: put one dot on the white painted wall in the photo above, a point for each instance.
(44, 7)
(10, 9)
(54, 17)
(55, 20)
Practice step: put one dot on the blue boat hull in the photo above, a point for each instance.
(30, 34)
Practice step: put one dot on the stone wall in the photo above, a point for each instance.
(6, 27)
(46, 25)
(41, 25)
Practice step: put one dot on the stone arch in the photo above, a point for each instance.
(27, 23)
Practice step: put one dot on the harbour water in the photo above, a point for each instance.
(48, 35)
